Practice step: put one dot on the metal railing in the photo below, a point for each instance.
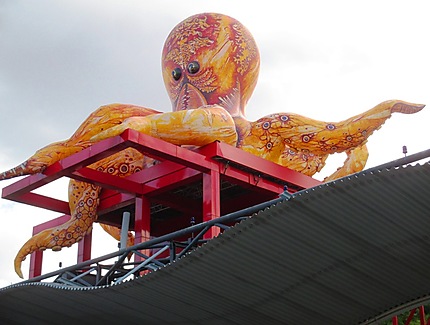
(164, 250)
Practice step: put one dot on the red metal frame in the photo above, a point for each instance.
(178, 167)
(421, 314)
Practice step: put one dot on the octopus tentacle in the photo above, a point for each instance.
(83, 201)
(321, 138)
(196, 127)
(302, 161)
(101, 119)
(303, 144)
(115, 232)
(106, 117)
(43, 158)
(355, 161)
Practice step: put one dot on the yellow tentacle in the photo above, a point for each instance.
(101, 119)
(350, 133)
(195, 127)
(303, 144)
(355, 161)
(322, 138)
(43, 158)
(115, 232)
(106, 117)
(302, 161)
(83, 202)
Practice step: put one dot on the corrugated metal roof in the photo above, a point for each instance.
(345, 252)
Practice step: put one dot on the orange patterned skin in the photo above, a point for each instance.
(210, 66)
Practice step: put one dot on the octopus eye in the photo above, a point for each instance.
(330, 127)
(176, 73)
(266, 125)
(284, 118)
(193, 67)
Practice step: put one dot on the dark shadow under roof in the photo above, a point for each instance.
(348, 252)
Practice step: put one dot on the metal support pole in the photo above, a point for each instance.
(84, 248)
(124, 230)
(211, 201)
(36, 259)
(142, 224)
(422, 315)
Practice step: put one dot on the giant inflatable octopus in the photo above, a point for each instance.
(210, 66)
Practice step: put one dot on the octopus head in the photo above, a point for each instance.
(210, 59)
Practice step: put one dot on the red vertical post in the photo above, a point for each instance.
(211, 201)
(142, 223)
(84, 248)
(36, 259)
(422, 315)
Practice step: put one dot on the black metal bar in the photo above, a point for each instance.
(140, 266)
(402, 161)
(191, 243)
(112, 269)
(172, 255)
(168, 237)
(222, 226)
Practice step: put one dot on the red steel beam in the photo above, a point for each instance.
(108, 181)
(245, 159)
(162, 150)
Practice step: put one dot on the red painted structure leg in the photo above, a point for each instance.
(211, 201)
(84, 248)
(35, 264)
(421, 314)
(142, 223)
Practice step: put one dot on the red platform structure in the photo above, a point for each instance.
(186, 185)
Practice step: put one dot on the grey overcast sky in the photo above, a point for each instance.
(329, 60)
